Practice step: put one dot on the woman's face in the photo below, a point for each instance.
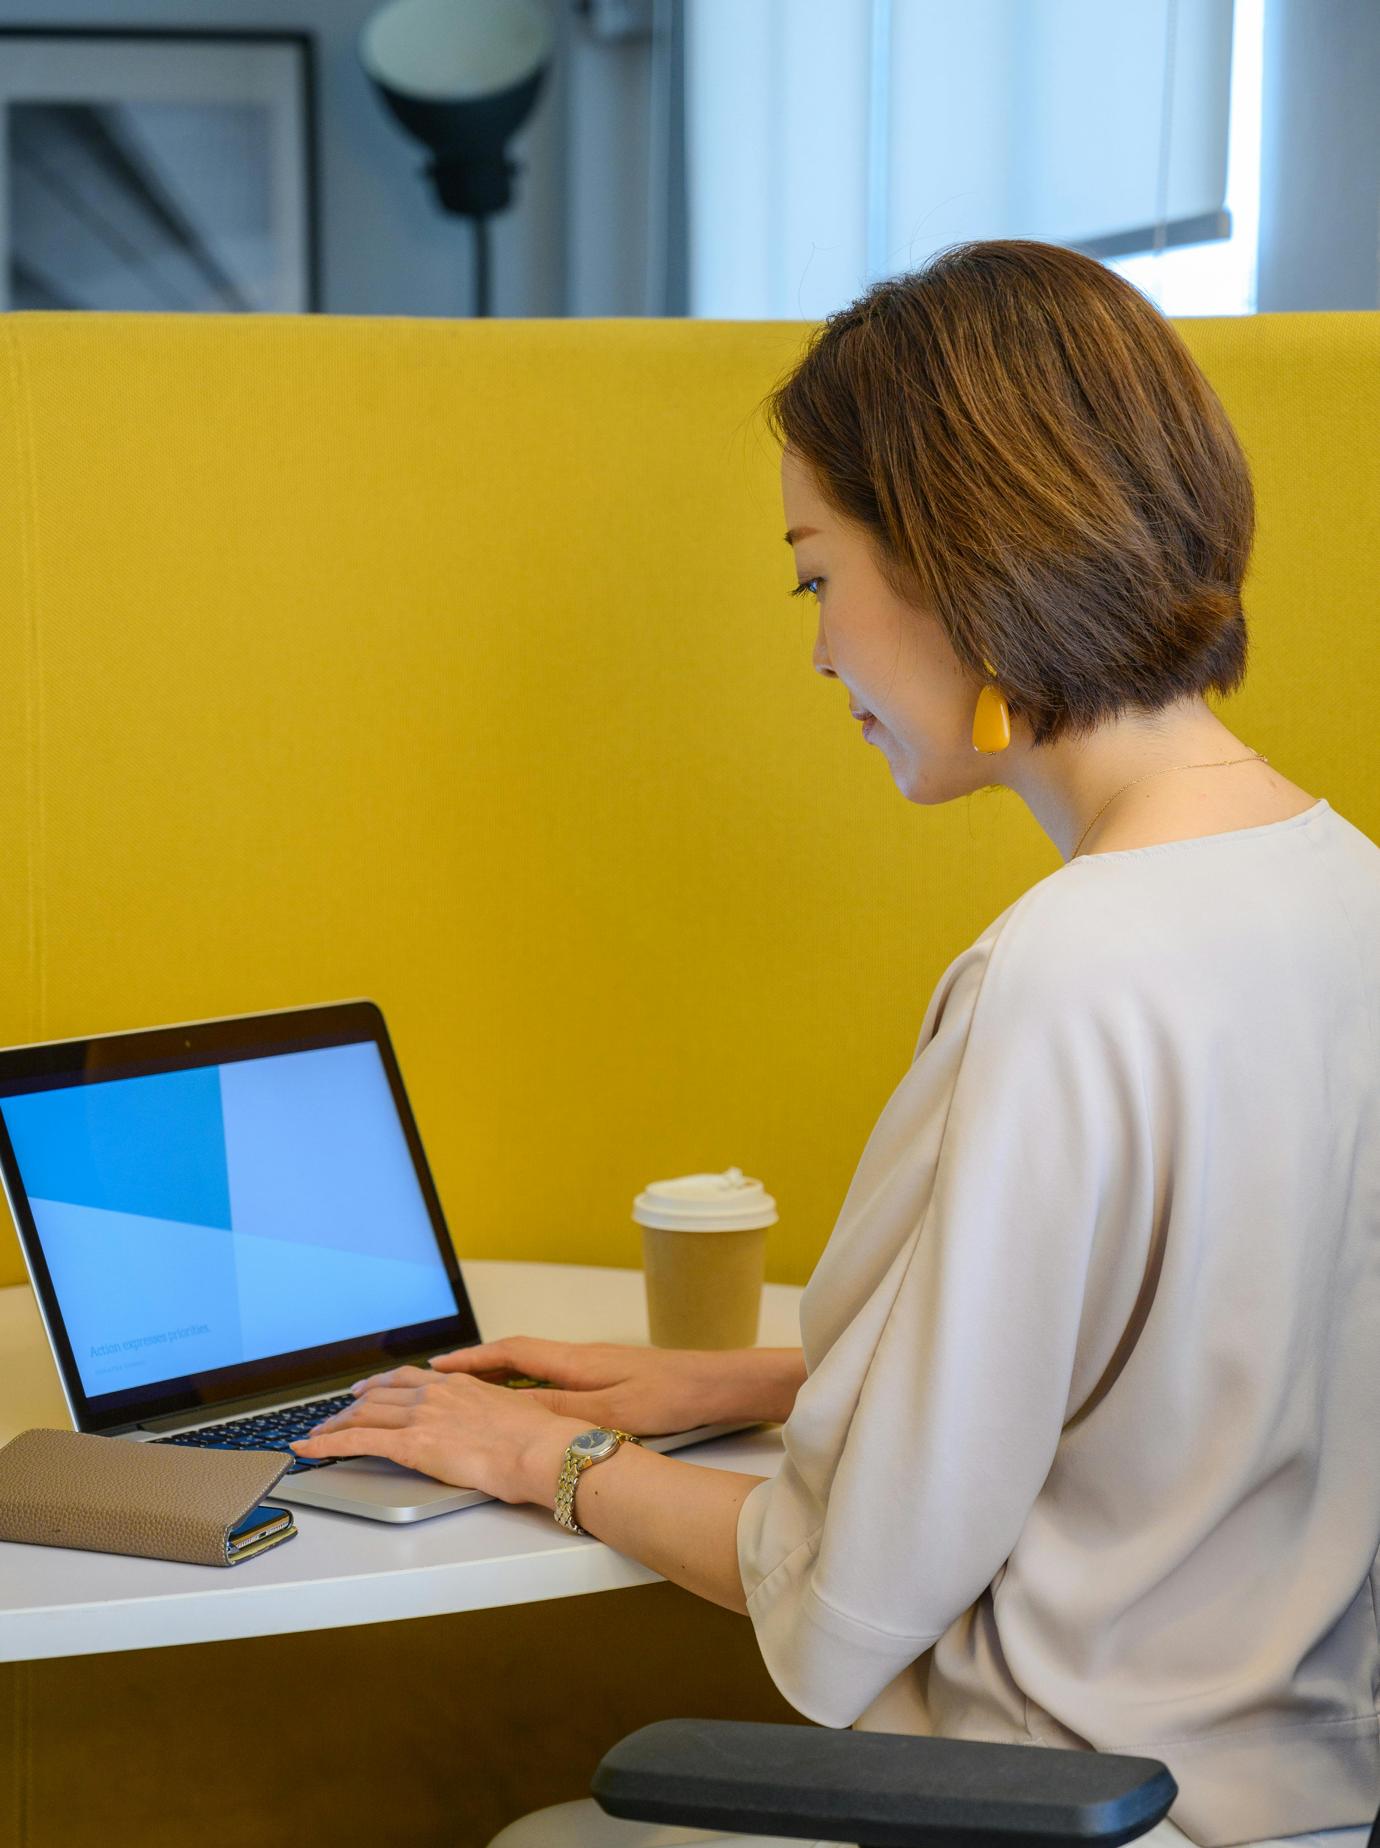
(893, 657)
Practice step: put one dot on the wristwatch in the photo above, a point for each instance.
(589, 1447)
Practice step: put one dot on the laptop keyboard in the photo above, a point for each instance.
(267, 1431)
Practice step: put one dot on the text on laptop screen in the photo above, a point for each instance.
(196, 1219)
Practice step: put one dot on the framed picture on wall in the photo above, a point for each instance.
(158, 170)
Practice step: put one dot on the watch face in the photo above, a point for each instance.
(589, 1442)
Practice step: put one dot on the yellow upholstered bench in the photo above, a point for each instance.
(451, 663)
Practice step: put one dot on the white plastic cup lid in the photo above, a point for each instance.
(728, 1202)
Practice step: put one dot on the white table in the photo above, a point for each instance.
(342, 1570)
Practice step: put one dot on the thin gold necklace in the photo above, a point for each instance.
(1219, 765)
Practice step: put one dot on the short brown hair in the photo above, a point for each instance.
(1036, 457)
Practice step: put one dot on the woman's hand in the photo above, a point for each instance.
(454, 1421)
(455, 1428)
(643, 1390)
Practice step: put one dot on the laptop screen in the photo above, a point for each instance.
(197, 1220)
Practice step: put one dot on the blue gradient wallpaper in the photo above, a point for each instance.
(195, 1219)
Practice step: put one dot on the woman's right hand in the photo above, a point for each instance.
(647, 1391)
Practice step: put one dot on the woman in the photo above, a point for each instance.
(1082, 1443)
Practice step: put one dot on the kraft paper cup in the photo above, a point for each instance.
(704, 1252)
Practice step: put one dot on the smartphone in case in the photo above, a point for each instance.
(261, 1528)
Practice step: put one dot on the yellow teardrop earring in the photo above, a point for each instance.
(992, 717)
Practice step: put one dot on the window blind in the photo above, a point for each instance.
(829, 142)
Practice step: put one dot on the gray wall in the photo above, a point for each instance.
(1320, 156)
(574, 241)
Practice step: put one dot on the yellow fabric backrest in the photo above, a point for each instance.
(451, 664)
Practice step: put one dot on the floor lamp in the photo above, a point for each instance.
(462, 76)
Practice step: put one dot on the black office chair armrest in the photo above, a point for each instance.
(880, 1790)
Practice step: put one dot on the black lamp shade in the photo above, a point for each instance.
(471, 173)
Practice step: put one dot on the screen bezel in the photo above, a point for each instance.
(143, 1053)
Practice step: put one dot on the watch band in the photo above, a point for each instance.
(573, 1466)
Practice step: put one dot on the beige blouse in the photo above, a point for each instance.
(1088, 1452)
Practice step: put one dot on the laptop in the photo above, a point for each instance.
(226, 1223)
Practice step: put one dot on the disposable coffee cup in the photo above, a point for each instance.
(704, 1253)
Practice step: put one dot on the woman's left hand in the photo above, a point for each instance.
(453, 1427)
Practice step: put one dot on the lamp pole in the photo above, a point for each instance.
(481, 265)
(475, 185)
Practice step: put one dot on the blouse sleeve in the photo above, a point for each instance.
(942, 1325)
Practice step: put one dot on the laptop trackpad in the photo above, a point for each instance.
(357, 1467)
(375, 1486)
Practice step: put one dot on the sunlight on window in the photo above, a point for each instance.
(1219, 277)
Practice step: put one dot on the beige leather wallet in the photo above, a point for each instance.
(110, 1495)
